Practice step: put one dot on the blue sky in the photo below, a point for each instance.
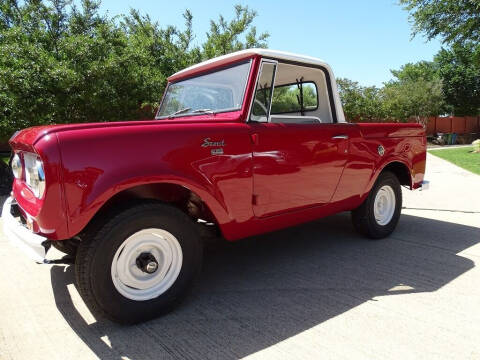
(361, 40)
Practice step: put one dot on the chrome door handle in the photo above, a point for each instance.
(345, 137)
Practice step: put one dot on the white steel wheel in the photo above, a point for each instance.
(146, 264)
(384, 205)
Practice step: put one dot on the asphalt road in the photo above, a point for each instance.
(314, 291)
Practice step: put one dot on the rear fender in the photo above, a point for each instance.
(399, 167)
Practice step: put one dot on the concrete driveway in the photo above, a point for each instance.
(310, 292)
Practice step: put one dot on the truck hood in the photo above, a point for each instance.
(27, 138)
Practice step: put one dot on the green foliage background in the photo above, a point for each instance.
(448, 85)
(60, 63)
(452, 21)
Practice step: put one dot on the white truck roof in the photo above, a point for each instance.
(276, 54)
(284, 55)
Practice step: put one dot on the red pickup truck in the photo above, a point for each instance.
(246, 143)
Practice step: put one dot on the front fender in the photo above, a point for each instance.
(80, 216)
(100, 163)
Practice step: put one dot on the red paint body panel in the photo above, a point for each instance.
(98, 169)
(269, 176)
(297, 165)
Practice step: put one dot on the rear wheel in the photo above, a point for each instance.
(378, 215)
(140, 264)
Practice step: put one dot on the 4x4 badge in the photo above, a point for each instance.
(216, 151)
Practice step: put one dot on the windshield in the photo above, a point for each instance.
(219, 91)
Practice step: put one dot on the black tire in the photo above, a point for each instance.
(363, 217)
(96, 253)
(68, 247)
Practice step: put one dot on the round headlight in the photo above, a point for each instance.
(16, 166)
(34, 174)
(40, 184)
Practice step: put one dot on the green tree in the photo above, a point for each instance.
(225, 36)
(459, 69)
(454, 21)
(418, 98)
(457, 23)
(459, 72)
(61, 62)
(360, 103)
(426, 70)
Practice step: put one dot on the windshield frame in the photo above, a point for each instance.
(213, 112)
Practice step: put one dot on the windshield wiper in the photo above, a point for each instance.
(205, 111)
(179, 112)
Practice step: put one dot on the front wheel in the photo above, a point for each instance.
(140, 263)
(378, 215)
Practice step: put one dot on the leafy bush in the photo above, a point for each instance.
(61, 64)
(361, 103)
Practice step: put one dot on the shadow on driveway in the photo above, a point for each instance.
(257, 292)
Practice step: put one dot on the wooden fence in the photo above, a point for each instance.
(460, 125)
(453, 124)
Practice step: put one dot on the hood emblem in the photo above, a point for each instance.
(207, 143)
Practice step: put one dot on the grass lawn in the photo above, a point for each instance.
(463, 157)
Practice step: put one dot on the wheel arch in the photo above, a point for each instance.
(400, 170)
(178, 195)
(397, 167)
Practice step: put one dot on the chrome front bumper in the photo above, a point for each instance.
(35, 246)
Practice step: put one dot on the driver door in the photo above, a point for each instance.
(295, 165)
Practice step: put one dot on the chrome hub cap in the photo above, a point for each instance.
(151, 267)
(146, 264)
(384, 205)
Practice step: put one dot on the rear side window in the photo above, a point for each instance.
(294, 98)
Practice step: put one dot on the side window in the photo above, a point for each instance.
(300, 95)
(291, 94)
(295, 98)
(263, 93)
